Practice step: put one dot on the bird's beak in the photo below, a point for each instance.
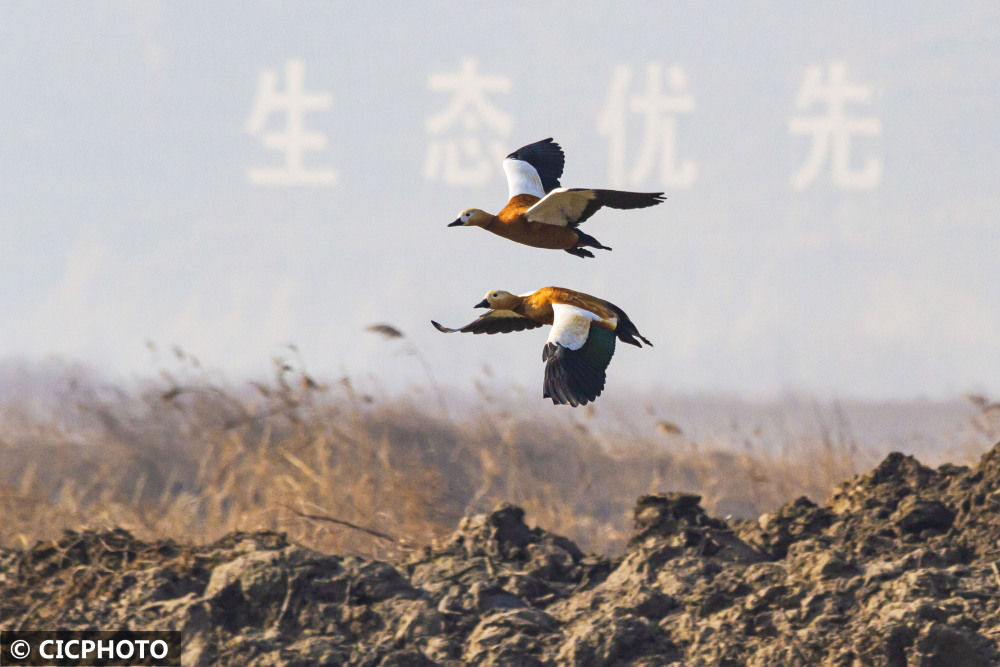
(457, 223)
(482, 304)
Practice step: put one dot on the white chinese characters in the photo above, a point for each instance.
(658, 110)
(294, 102)
(641, 118)
(832, 131)
(468, 136)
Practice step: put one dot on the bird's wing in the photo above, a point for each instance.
(569, 207)
(576, 356)
(522, 179)
(495, 321)
(570, 325)
(547, 159)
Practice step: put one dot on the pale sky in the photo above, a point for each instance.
(837, 236)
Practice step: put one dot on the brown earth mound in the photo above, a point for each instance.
(899, 568)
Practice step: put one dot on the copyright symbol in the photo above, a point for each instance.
(20, 649)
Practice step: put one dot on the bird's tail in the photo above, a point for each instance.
(626, 329)
(588, 241)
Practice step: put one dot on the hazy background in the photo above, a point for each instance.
(128, 213)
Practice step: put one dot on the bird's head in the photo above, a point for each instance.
(499, 300)
(470, 217)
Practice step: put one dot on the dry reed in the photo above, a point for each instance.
(192, 458)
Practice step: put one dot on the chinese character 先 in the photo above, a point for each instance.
(831, 132)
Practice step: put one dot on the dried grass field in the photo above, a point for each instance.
(343, 469)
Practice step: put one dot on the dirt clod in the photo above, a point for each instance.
(897, 568)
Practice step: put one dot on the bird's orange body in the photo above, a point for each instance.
(512, 223)
(538, 305)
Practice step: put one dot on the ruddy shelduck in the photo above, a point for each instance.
(580, 345)
(539, 213)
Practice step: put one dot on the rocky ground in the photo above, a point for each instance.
(898, 568)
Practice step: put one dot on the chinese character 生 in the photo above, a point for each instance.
(295, 140)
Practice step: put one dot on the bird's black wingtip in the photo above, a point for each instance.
(571, 378)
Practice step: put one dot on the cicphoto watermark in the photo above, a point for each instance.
(89, 647)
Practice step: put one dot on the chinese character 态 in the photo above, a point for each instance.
(295, 102)
(659, 111)
(467, 134)
(831, 132)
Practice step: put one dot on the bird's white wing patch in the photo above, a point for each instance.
(522, 179)
(560, 207)
(570, 325)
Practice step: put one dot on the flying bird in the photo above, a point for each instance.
(539, 213)
(580, 344)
